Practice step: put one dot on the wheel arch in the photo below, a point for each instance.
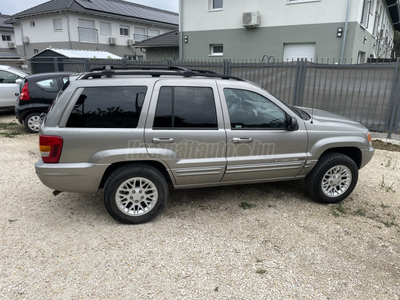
(156, 164)
(353, 152)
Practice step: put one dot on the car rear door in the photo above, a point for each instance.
(185, 130)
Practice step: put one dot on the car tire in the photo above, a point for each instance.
(333, 178)
(135, 194)
(32, 122)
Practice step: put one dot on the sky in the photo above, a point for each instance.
(11, 7)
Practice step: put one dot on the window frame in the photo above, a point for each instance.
(211, 6)
(173, 111)
(54, 25)
(255, 128)
(124, 27)
(213, 53)
(105, 23)
(300, 1)
(6, 37)
(366, 12)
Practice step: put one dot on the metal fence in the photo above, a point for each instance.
(368, 93)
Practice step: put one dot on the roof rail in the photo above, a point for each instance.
(109, 71)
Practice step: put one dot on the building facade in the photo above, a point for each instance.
(106, 25)
(7, 41)
(288, 29)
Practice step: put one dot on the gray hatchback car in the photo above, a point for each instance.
(133, 132)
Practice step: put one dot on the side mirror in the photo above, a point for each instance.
(19, 81)
(293, 126)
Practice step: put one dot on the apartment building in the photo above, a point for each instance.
(288, 29)
(106, 25)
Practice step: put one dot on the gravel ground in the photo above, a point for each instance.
(204, 245)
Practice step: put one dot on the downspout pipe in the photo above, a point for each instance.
(180, 29)
(69, 36)
(345, 31)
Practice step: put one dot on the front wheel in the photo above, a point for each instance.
(333, 178)
(135, 194)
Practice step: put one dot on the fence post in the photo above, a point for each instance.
(227, 67)
(298, 76)
(124, 62)
(87, 67)
(55, 60)
(394, 99)
(169, 63)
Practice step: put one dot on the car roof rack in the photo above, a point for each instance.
(109, 71)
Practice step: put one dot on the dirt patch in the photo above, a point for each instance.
(381, 145)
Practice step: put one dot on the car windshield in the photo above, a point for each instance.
(19, 72)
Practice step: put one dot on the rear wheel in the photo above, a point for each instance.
(135, 194)
(333, 178)
(32, 122)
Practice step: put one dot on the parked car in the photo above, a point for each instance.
(132, 132)
(37, 95)
(10, 85)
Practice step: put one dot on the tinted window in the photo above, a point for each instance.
(251, 110)
(186, 107)
(108, 107)
(49, 85)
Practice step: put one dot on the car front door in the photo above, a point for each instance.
(260, 146)
(185, 130)
(9, 90)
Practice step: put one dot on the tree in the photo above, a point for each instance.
(396, 44)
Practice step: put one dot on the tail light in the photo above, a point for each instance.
(50, 148)
(25, 92)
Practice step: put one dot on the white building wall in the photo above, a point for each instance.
(198, 17)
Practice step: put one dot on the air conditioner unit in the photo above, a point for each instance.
(11, 45)
(251, 19)
(112, 41)
(130, 42)
(25, 40)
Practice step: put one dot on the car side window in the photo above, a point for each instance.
(185, 107)
(108, 107)
(251, 110)
(7, 77)
(49, 85)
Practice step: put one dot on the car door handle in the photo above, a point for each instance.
(163, 140)
(242, 140)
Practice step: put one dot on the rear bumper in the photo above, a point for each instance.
(367, 155)
(71, 177)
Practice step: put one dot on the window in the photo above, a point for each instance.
(124, 30)
(216, 50)
(32, 23)
(250, 110)
(6, 37)
(49, 85)
(140, 34)
(57, 23)
(87, 31)
(186, 107)
(7, 77)
(301, 1)
(153, 33)
(105, 28)
(35, 51)
(365, 13)
(108, 107)
(216, 4)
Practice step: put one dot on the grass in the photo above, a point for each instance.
(246, 205)
(7, 125)
(388, 188)
(261, 271)
(10, 134)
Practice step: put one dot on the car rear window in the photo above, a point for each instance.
(49, 85)
(108, 107)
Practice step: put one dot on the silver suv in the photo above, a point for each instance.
(133, 132)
